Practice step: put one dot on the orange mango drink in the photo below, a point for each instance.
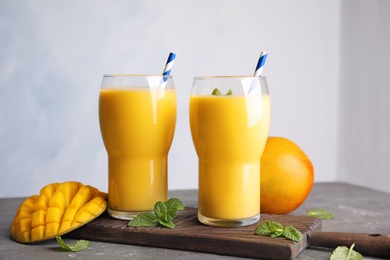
(229, 134)
(137, 126)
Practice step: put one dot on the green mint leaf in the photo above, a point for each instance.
(79, 245)
(173, 205)
(146, 219)
(275, 229)
(292, 233)
(166, 221)
(160, 209)
(269, 228)
(169, 224)
(345, 253)
(216, 92)
(164, 213)
(320, 213)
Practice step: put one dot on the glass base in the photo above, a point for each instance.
(228, 222)
(124, 215)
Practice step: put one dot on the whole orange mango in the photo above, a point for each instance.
(287, 176)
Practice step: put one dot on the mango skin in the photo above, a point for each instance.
(58, 209)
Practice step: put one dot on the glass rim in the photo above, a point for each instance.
(228, 77)
(127, 75)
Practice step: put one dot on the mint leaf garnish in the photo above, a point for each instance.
(75, 247)
(166, 221)
(270, 228)
(275, 229)
(160, 209)
(173, 205)
(345, 253)
(320, 213)
(146, 219)
(164, 214)
(292, 233)
(216, 92)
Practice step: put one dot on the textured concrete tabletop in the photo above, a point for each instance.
(356, 209)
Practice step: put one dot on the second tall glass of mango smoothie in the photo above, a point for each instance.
(229, 119)
(137, 115)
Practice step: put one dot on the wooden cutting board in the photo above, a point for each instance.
(189, 234)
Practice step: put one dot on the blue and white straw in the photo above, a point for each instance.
(259, 69)
(167, 69)
(169, 64)
(260, 64)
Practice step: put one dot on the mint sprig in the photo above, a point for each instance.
(146, 219)
(345, 253)
(79, 245)
(270, 228)
(320, 213)
(217, 92)
(164, 213)
(275, 229)
(292, 233)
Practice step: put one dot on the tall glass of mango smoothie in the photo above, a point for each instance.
(137, 115)
(229, 119)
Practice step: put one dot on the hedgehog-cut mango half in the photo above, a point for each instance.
(58, 209)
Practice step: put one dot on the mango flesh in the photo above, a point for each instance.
(58, 209)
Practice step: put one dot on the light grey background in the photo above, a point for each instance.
(328, 73)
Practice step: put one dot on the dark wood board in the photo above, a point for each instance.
(189, 234)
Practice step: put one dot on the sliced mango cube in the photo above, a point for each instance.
(38, 231)
(51, 230)
(58, 209)
(38, 218)
(41, 203)
(54, 215)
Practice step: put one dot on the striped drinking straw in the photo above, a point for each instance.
(167, 68)
(260, 64)
(259, 68)
(169, 64)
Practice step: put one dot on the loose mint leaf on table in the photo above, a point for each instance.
(345, 253)
(75, 247)
(320, 213)
(275, 229)
(164, 213)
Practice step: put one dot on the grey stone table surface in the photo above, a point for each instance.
(356, 209)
